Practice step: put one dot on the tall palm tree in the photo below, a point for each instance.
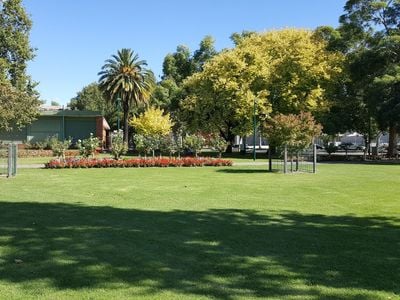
(126, 77)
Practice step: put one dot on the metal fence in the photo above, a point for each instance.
(304, 161)
(8, 160)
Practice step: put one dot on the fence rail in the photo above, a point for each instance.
(8, 160)
(303, 161)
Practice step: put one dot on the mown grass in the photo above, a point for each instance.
(200, 233)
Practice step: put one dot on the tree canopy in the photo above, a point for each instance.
(92, 98)
(153, 122)
(294, 131)
(287, 71)
(126, 77)
(371, 30)
(18, 99)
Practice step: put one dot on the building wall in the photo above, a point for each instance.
(79, 128)
(48, 126)
(44, 127)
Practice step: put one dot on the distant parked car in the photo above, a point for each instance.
(319, 147)
(351, 146)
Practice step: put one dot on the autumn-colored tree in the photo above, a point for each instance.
(295, 131)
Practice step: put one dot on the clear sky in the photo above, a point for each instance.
(74, 37)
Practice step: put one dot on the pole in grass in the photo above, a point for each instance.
(285, 160)
(254, 128)
(314, 158)
(118, 104)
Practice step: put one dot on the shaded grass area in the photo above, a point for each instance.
(201, 233)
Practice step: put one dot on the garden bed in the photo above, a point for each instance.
(136, 162)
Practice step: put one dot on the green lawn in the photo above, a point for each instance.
(200, 233)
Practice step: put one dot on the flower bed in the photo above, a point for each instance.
(72, 162)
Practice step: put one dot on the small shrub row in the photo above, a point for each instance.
(136, 162)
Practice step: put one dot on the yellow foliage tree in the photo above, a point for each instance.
(153, 122)
(276, 72)
(294, 66)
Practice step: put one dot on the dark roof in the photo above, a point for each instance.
(70, 113)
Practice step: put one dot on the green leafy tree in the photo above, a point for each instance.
(118, 147)
(168, 145)
(127, 77)
(194, 142)
(218, 144)
(146, 144)
(17, 108)
(178, 66)
(371, 29)
(92, 98)
(59, 147)
(18, 99)
(140, 145)
(205, 52)
(237, 37)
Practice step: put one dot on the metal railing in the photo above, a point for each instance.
(8, 160)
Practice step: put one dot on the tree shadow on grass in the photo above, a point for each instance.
(244, 171)
(216, 253)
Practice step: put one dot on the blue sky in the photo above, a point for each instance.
(74, 37)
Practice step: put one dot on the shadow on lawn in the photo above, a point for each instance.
(244, 171)
(217, 253)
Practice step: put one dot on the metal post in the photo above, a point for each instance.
(285, 160)
(9, 162)
(315, 158)
(291, 163)
(15, 155)
(297, 161)
(118, 103)
(254, 129)
(269, 157)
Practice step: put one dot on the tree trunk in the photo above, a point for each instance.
(392, 151)
(244, 145)
(230, 140)
(126, 121)
(126, 128)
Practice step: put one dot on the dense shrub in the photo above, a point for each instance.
(136, 162)
(87, 147)
(58, 147)
(194, 143)
(118, 147)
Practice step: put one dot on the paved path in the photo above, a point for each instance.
(31, 166)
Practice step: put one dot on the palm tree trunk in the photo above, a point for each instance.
(126, 123)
